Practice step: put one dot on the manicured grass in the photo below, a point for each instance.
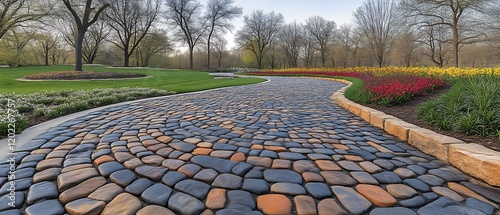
(353, 92)
(180, 81)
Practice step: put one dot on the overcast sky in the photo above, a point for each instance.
(339, 11)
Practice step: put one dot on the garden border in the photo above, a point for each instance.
(94, 79)
(474, 159)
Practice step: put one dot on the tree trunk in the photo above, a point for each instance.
(137, 64)
(91, 58)
(46, 50)
(78, 50)
(219, 61)
(208, 51)
(191, 50)
(455, 45)
(126, 59)
(323, 58)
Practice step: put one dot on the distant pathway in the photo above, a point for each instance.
(276, 148)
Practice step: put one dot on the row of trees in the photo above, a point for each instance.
(384, 32)
(85, 25)
(429, 25)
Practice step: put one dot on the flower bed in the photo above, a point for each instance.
(85, 75)
(307, 72)
(419, 71)
(380, 89)
(52, 104)
(395, 89)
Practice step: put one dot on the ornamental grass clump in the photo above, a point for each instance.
(472, 106)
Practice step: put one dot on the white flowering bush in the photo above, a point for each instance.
(20, 122)
(53, 104)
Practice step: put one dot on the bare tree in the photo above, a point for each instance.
(379, 22)
(219, 14)
(435, 38)
(491, 10)
(45, 43)
(59, 53)
(322, 31)
(407, 46)
(349, 41)
(131, 21)
(15, 13)
(155, 42)
(92, 41)
(450, 13)
(273, 58)
(491, 18)
(82, 24)
(259, 31)
(220, 46)
(291, 40)
(309, 50)
(184, 14)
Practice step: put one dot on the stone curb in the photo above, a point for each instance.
(471, 158)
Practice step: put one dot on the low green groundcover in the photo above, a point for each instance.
(85, 75)
(51, 104)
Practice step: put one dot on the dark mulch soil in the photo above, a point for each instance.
(408, 113)
(85, 75)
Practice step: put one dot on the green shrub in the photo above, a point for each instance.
(472, 106)
(25, 107)
(40, 112)
(21, 123)
(53, 104)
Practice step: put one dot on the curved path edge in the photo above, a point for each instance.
(36, 130)
(471, 158)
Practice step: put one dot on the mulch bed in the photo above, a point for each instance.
(85, 75)
(408, 113)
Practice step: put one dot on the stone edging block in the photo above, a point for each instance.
(432, 143)
(474, 159)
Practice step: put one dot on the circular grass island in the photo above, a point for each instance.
(85, 75)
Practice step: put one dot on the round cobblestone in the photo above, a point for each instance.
(283, 143)
(274, 204)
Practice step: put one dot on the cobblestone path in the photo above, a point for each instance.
(280, 147)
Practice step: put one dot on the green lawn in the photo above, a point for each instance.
(180, 81)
